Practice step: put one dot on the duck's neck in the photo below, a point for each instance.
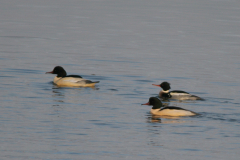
(154, 111)
(163, 92)
(56, 79)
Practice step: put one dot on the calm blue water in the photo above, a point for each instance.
(127, 46)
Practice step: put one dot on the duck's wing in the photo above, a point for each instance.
(172, 107)
(179, 92)
(72, 79)
(183, 93)
(78, 80)
(177, 111)
(88, 81)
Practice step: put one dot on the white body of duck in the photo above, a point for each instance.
(64, 80)
(176, 94)
(170, 111)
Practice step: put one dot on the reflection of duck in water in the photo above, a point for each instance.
(159, 110)
(166, 120)
(176, 94)
(62, 79)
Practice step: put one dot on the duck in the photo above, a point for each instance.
(170, 111)
(64, 80)
(175, 94)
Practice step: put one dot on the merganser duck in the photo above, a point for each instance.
(176, 94)
(159, 110)
(62, 79)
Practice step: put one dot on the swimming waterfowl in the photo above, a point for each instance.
(64, 80)
(176, 94)
(159, 110)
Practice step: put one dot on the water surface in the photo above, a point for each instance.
(127, 46)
